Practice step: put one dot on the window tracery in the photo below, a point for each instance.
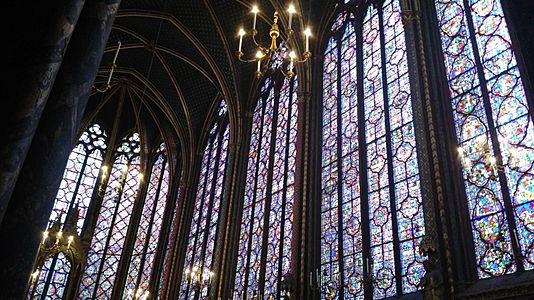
(112, 224)
(371, 208)
(149, 227)
(492, 121)
(75, 191)
(203, 230)
(264, 250)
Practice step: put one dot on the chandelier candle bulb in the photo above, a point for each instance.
(71, 238)
(259, 56)
(307, 33)
(35, 275)
(241, 34)
(291, 10)
(292, 56)
(45, 236)
(255, 11)
(59, 236)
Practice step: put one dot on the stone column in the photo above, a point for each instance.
(36, 48)
(33, 197)
(186, 217)
(223, 226)
(428, 153)
(167, 229)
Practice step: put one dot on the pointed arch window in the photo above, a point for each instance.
(264, 251)
(75, 192)
(203, 230)
(113, 220)
(371, 207)
(490, 111)
(149, 227)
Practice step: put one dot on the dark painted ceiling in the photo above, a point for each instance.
(179, 56)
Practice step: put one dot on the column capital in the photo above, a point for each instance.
(303, 96)
(410, 10)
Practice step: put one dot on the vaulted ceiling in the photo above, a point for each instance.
(178, 57)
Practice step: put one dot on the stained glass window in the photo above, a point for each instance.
(52, 280)
(75, 190)
(203, 231)
(81, 174)
(112, 224)
(370, 232)
(493, 127)
(149, 227)
(264, 252)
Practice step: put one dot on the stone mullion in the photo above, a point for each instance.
(222, 226)
(235, 211)
(131, 233)
(95, 204)
(171, 283)
(211, 200)
(299, 242)
(186, 217)
(99, 192)
(166, 231)
(430, 169)
(157, 202)
(58, 131)
(33, 71)
(312, 196)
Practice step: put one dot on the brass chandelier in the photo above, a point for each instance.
(264, 55)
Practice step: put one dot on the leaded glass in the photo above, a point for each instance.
(203, 232)
(269, 193)
(52, 279)
(76, 190)
(81, 174)
(112, 224)
(149, 227)
(380, 128)
(490, 107)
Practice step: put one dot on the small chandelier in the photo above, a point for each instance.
(264, 54)
(59, 238)
(479, 161)
(198, 277)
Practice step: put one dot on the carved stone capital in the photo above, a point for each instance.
(432, 282)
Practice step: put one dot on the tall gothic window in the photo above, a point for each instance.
(75, 190)
(112, 224)
(264, 253)
(203, 231)
(371, 208)
(494, 131)
(149, 227)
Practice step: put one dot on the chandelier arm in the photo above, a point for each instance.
(240, 58)
(254, 32)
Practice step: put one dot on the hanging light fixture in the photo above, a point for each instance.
(111, 70)
(199, 277)
(264, 54)
(58, 238)
(479, 161)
